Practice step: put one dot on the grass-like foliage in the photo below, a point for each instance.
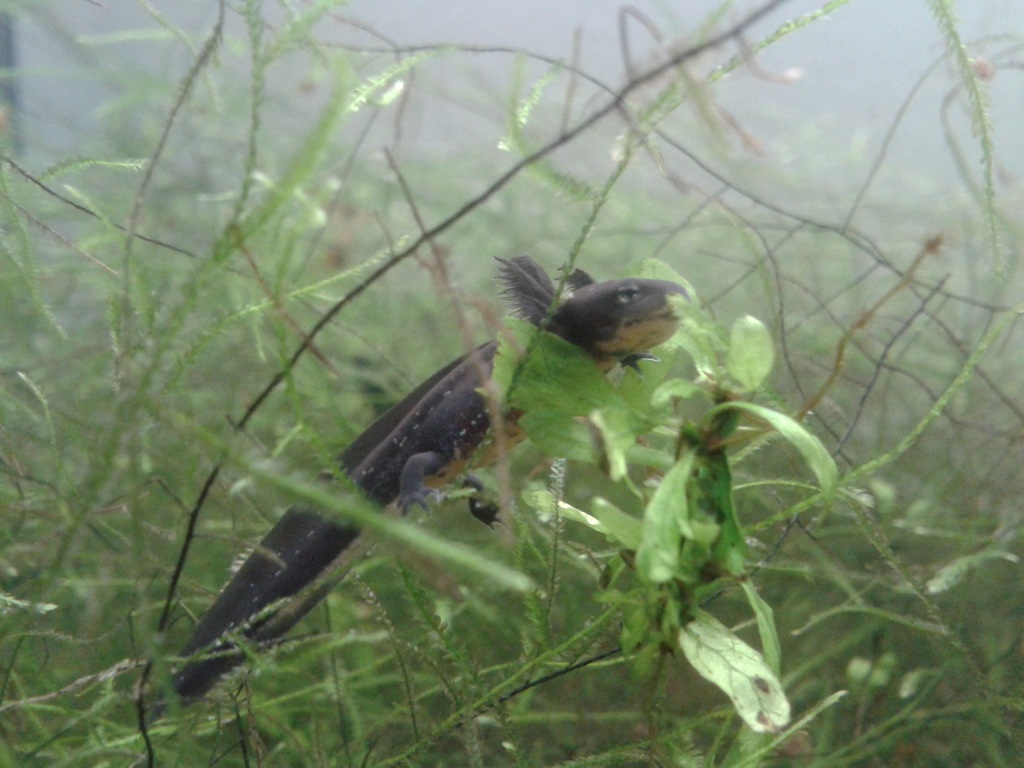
(790, 541)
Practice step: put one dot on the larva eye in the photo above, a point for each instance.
(627, 294)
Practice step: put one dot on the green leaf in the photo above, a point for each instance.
(74, 165)
(720, 657)
(809, 446)
(730, 548)
(618, 525)
(750, 749)
(618, 428)
(702, 339)
(9, 603)
(872, 673)
(558, 434)
(751, 353)
(698, 335)
(606, 518)
(645, 456)
(765, 626)
(655, 269)
(556, 375)
(390, 94)
(556, 386)
(672, 389)
(665, 523)
(949, 575)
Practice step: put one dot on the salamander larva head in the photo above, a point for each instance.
(619, 318)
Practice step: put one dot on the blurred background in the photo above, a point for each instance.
(188, 187)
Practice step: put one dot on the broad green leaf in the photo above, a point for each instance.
(556, 375)
(645, 456)
(720, 657)
(751, 354)
(665, 523)
(555, 386)
(672, 389)
(513, 342)
(809, 446)
(558, 434)
(636, 388)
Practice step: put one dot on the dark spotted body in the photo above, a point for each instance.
(423, 442)
(445, 425)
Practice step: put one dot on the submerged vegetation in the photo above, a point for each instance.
(791, 541)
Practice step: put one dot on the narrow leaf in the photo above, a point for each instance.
(608, 519)
(665, 523)
(765, 626)
(949, 575)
